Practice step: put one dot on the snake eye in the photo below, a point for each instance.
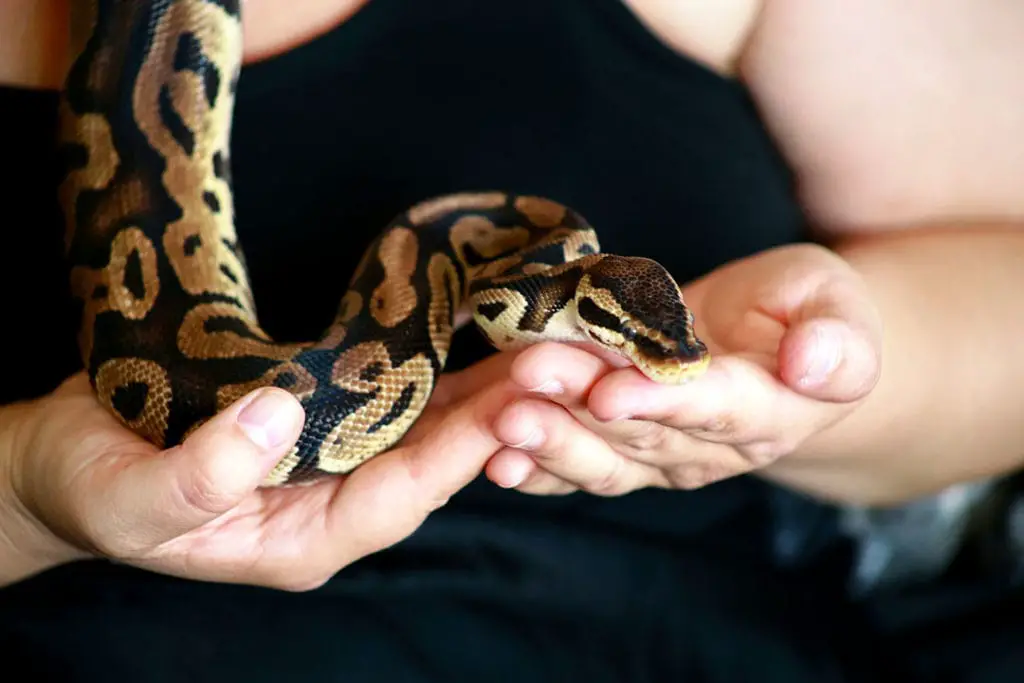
(628, 333)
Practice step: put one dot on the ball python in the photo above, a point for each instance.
(168, 329)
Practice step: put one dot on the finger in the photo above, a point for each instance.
(682, 465)
(681, 462)
(453, 387)
(561, 372)
(513, 468)
(736, 401)
(560, 445)
(458, 386)
(339, 520)
(389, 497)
(829, 360)
(831, 350)
(155, 499)
(510, 467)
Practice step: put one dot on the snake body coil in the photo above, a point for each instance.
(168, 328)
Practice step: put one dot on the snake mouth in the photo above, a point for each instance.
(608, 341)
(675, 370)
(686, 361)
(653, 360)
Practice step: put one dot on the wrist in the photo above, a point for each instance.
(27, 547)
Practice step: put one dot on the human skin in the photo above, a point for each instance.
(903, 125)
(905, 145)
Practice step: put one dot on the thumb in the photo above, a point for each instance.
(211, 472)
(832, 348)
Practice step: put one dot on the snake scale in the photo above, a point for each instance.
(168, 329)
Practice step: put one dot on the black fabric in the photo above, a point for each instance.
(570, 99)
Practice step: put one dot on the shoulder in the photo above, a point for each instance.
(33, 43)
(713, 33)
(275, 26)
(34, 34)
(890, 113)
(895, 113)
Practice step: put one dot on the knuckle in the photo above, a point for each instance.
(692, 476)
(647, 436)
(719, 424)
(686, 477)
(726, 425)
(762, 453)
(612, 482)
(734, 420)
(200, 490)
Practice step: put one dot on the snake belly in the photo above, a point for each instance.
(168, 328)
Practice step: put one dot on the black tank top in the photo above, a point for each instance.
(573, 99)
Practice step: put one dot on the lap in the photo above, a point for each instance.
(469, 597)
(559, 594)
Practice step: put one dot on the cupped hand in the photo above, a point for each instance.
(84, 486)
(796, 346)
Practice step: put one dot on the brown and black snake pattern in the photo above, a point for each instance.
(168, 330)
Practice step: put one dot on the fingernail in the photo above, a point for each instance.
(266, 420)
(550, 387)
(517, 474)
(532, 441)
(825, 356)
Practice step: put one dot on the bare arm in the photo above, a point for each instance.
(34, 34)
(905, 125)
(33, 40)
(949, 405)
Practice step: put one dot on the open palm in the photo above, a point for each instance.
(196, 511)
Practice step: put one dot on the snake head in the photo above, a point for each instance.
(633, 307)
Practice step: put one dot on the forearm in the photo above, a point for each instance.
(950, 401)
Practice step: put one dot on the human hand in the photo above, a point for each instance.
(81, 485)
(795, 344)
